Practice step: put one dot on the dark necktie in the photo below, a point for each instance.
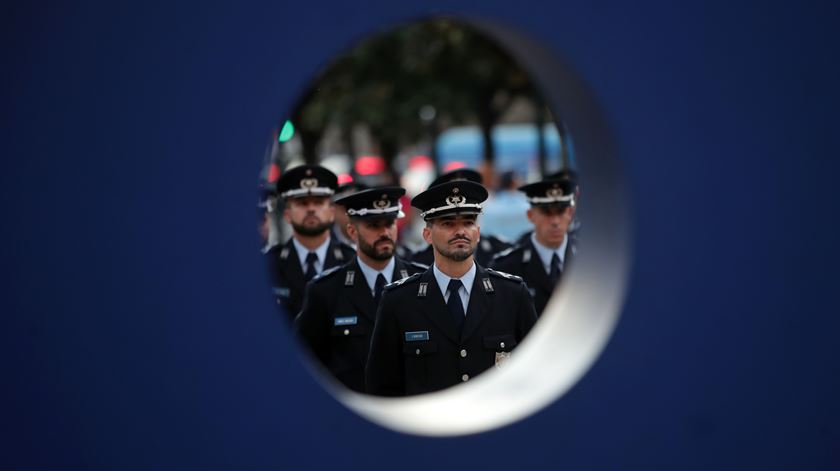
(311, 258)
(454, 305)
(380, 283)
(554, 275)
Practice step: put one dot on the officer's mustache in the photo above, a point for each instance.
(384, 239)
(464, 238)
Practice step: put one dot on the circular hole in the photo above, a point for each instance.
(392, 111)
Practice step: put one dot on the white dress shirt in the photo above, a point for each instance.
(545, 253)
(320, 251)
(370, 274)
(464, 291)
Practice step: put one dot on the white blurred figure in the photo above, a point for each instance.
(504, 213)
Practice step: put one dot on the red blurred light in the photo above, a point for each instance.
(370, 165)
(420, 161)
(453, 166)
(273, 173)
(344, 178)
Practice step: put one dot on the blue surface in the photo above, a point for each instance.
(141, 332)
(515, 147)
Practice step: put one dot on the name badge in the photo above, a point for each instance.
(349, 320)
(281, 292)
(417, 336)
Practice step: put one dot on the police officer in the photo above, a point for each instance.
(339, 307)
(541, 258)
(339, 229)
(488, 246)
(306, 191)
(456, 319)
(267, 209)
(572, 177)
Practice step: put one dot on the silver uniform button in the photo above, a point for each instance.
(465, 377)
(417, 352)
(502, 345)
(463, 353)
(346, 331)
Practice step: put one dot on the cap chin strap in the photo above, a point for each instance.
(366, 211)
(552, 199)
(318, 191)
(451, 206)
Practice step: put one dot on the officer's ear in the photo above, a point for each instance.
(530, 214)
(286, 216)
(331, 210)
(352, 232)
(427, 233)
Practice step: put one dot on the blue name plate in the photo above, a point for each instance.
(281, 292)
(350, 320)
(417, 336)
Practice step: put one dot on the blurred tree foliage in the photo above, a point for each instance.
(385, 82)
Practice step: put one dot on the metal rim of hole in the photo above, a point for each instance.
(581, 315)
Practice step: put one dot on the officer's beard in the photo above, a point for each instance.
(455, 253)
(309, 231)
(381, 254)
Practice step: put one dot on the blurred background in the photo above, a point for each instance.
(417, 101)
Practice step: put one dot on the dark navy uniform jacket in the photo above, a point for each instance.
(288, 277)
(524, 261)
(415, 348)
(337, 319)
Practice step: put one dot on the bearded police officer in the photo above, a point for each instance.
(339, 229)
(488, 246)
(339, 307)
(306, 191)
(542, 257)
(456, 319)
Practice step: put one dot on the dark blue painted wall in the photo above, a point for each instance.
(140, 330)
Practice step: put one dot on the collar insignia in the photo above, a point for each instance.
(488, 285)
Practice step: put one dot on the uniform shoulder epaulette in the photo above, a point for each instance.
(403, 252)
(344, 246)
(500, 239)
(421, 266)
(327, 273)
(403, 281)
(507, 276)
(508, 251)
(344, 249)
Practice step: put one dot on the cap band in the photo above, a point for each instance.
(319, 191)
(552, 199)
(366, 211)
(451, 206)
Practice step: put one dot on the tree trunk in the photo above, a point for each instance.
(434, 133)
(486, 120)
(309, 143)
(564, 145)
(540, 123)
(350, 147)
(388, 148)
